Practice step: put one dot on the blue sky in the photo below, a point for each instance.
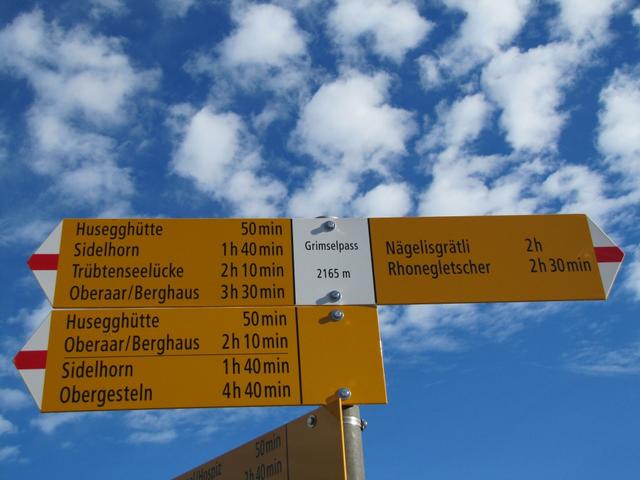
(196, 108)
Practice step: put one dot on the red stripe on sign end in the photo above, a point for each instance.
(43, 261)
(608, 254)
(30, 359)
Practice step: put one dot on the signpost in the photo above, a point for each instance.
(308, 448)
(267, 323)
(276, 262)
(80, 360)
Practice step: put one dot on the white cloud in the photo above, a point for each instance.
(450, 328)
(6, 426)
(176, 8)
(384, 200)
(72, 71)
(465, 184)
(95, 182)
(164, 426)
(619, 128)
(9, 453)
(215, 153)
(265, 52)
(459, 123)
(349, 128)
(581, 190)
(209, 147)
(101, 8)
(348, 123)
(528, 86)
(84, 85)
(600, 361)
(430, 73)
(327, 192)
(4, 152)
(632, 280)
(50, 422)
(394, 26)
(13, 399)
(30, 319)
(165, 436)
(635, 16)
(483, 33)
(30, 232)
(266, 35)
(586, 21)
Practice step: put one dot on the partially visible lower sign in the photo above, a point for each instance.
(308, 448)
(115, 359)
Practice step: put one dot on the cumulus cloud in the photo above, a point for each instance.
(266, 51)
(49, 423)
(13, 399)
(215, 152)
(164, 426)
(265, 35)
(349, 122)
(586, 21)
(635, 16)
(9, 453)
(19, 232)
(430, 72)
(6, 426)
(459, 123)
(581, 189)
(84, 86)
(349, 128)
(596, 360)
(176, 8)
(619, 123)
(483, 33)
(450, 328)
(465, 184)
(153, 437)
(4, 152)
(31, 318)
(384, 200)
(328, 192)
(101, 8)
(391, 27)
(529, 88)
(632, 281)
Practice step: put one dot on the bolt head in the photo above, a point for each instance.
(335, 295)
(312, 421)
(344, 393)
(337, 314)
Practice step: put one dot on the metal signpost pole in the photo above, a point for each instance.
(353, 427)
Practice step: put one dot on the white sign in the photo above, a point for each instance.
(332, 262)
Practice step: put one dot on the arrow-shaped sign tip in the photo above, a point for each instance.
(31, 361)
(608, 255)
(44, 262)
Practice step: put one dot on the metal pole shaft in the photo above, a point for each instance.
(353, 442)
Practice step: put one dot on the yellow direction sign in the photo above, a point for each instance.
(308, 448)
(81, 360)
(278, 262)
(159, 262)
(491, 259)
